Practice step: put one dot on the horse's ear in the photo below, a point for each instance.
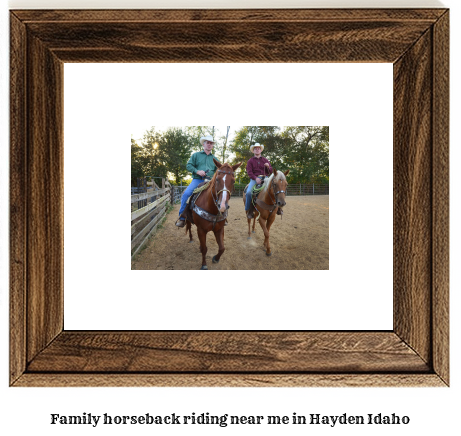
(274, 171)
(286, 172)
(234, 167)
(219, 165)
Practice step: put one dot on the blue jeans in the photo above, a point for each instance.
(187, 193)
(248, 195)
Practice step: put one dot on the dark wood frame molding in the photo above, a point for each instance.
(414, 353)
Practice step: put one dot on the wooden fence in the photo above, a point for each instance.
(147, 211)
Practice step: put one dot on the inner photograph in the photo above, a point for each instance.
(230, 198)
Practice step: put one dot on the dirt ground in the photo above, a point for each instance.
(300, 240)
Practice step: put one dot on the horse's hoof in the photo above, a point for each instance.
(249, 237)
(204, 267)
(253, 231)
(191, 241)
(268, 254)
(215, 260)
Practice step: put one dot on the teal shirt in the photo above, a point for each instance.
(200, 161)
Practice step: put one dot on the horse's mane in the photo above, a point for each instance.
(268, 180)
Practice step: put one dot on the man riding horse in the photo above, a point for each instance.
(257, 166)
(200, 164)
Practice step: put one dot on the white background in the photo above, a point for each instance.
(430, 410)
(105, 102)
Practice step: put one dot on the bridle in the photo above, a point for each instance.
(263, 204)
(274, 185)
(276, 193)
(216, 194)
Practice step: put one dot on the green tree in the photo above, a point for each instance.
(301, 149)
(152, 163)
(220, 149)
(249, 135)
(304, 150)
(136, 161)
(196, 132)
(306, 153)
(175, 149)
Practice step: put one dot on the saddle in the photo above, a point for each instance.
(187, 213)
(255, 190)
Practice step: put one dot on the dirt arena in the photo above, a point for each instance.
(299, 240)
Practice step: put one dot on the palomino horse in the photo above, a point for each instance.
(271, 197)
(209, 210)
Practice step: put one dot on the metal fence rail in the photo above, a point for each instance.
(177, 193)
(294, 189)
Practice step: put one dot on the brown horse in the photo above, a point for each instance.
(209, 211)
(269, 200)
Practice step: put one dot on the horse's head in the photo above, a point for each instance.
(280, 184)
(224, 184)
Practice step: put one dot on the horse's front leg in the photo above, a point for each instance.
(271, 219)
(262, 223)
(254, 223)
(219, 235)
(203, 249)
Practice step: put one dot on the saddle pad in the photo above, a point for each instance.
(202, 186)
(193, 197)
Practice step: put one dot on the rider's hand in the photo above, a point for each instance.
(201, 173)
(258, 180)
(266, 165)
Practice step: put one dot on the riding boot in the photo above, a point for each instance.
(180, 223)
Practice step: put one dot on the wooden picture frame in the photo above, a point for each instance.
(414, 353)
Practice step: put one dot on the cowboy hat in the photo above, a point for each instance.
(256, 145)
(206, 138)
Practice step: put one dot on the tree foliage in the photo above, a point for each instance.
(304, 150)
(161, 154)
(175, 149)
(137, 168)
